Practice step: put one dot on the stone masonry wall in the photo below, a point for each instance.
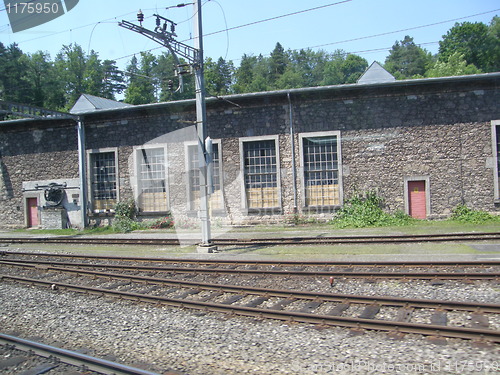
(36, 152)
(441, 132)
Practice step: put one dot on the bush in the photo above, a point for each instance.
(464, 214)
(124, 224)
(164, 222)
(125, 213)
(366, 211)
(126, 208)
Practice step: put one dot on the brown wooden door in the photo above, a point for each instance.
(32, 204)
(417, 203)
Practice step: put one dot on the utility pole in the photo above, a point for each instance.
(201, 121)
(194, 56)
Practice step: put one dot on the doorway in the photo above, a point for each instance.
(32, 208)
(417, 200)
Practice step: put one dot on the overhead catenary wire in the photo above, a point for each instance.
(227, 29)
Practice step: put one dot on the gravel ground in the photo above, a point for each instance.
(194, 342)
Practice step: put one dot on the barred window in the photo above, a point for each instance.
(261, 177)
(151, 181)
(103, 181)
(215, 200)
(321, 171)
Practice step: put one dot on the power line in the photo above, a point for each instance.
(277, 17)
(226, 30)
(401, 30)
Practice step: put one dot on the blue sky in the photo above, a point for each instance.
(353, 26)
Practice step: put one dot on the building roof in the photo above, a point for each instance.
(376, 74)
(88, 103)
(114, 108)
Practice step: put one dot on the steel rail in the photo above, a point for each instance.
(236, 262)
(316, 273)
(263, 241)
(291, 316)
(471, 263)
(286, 293)
(73, 358)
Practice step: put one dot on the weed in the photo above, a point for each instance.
(464, 214)
(365, 210)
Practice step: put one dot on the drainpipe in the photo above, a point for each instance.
(292, 142)
(82, 170)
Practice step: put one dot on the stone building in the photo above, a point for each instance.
(424, 145)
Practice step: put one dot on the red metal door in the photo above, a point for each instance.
(417, 203)
(32, 204)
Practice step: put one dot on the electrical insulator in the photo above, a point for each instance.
(140, 16)
(170, 84)
(158, 21)
(172, 28)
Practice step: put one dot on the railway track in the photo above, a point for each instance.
(41, 358)
(482, 270)
(395, 315)
(318, 240)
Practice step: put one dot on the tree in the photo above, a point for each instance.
(244, 75)
(407, 60)
(277, 63)
(343, 68)
(218, 76)
(70, 65)
(142, 83)
(12, 71)
(454, 66)
(114, 81)
(47, 89)
(478, 43)
(93, 75)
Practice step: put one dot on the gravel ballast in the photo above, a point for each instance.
(195, 342)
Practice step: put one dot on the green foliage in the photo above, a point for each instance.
(141, 82)
(218, 76)
(467, 48)
(407, 60)
(366, 211)
(126, 208)
(477, 42)
(299, 219)
(124, 224)
(125, 212)
(464, 214)
(455, 66)
(163, 223)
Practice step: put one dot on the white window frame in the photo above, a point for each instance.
(187, 163)
(332, 133)
(137, 180)
(90, 175)
(495, 126)
(244, 200)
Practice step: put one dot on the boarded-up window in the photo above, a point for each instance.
(215, 200)
(152, 184)
(261, 177)
(321, 171)
(103, 181)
